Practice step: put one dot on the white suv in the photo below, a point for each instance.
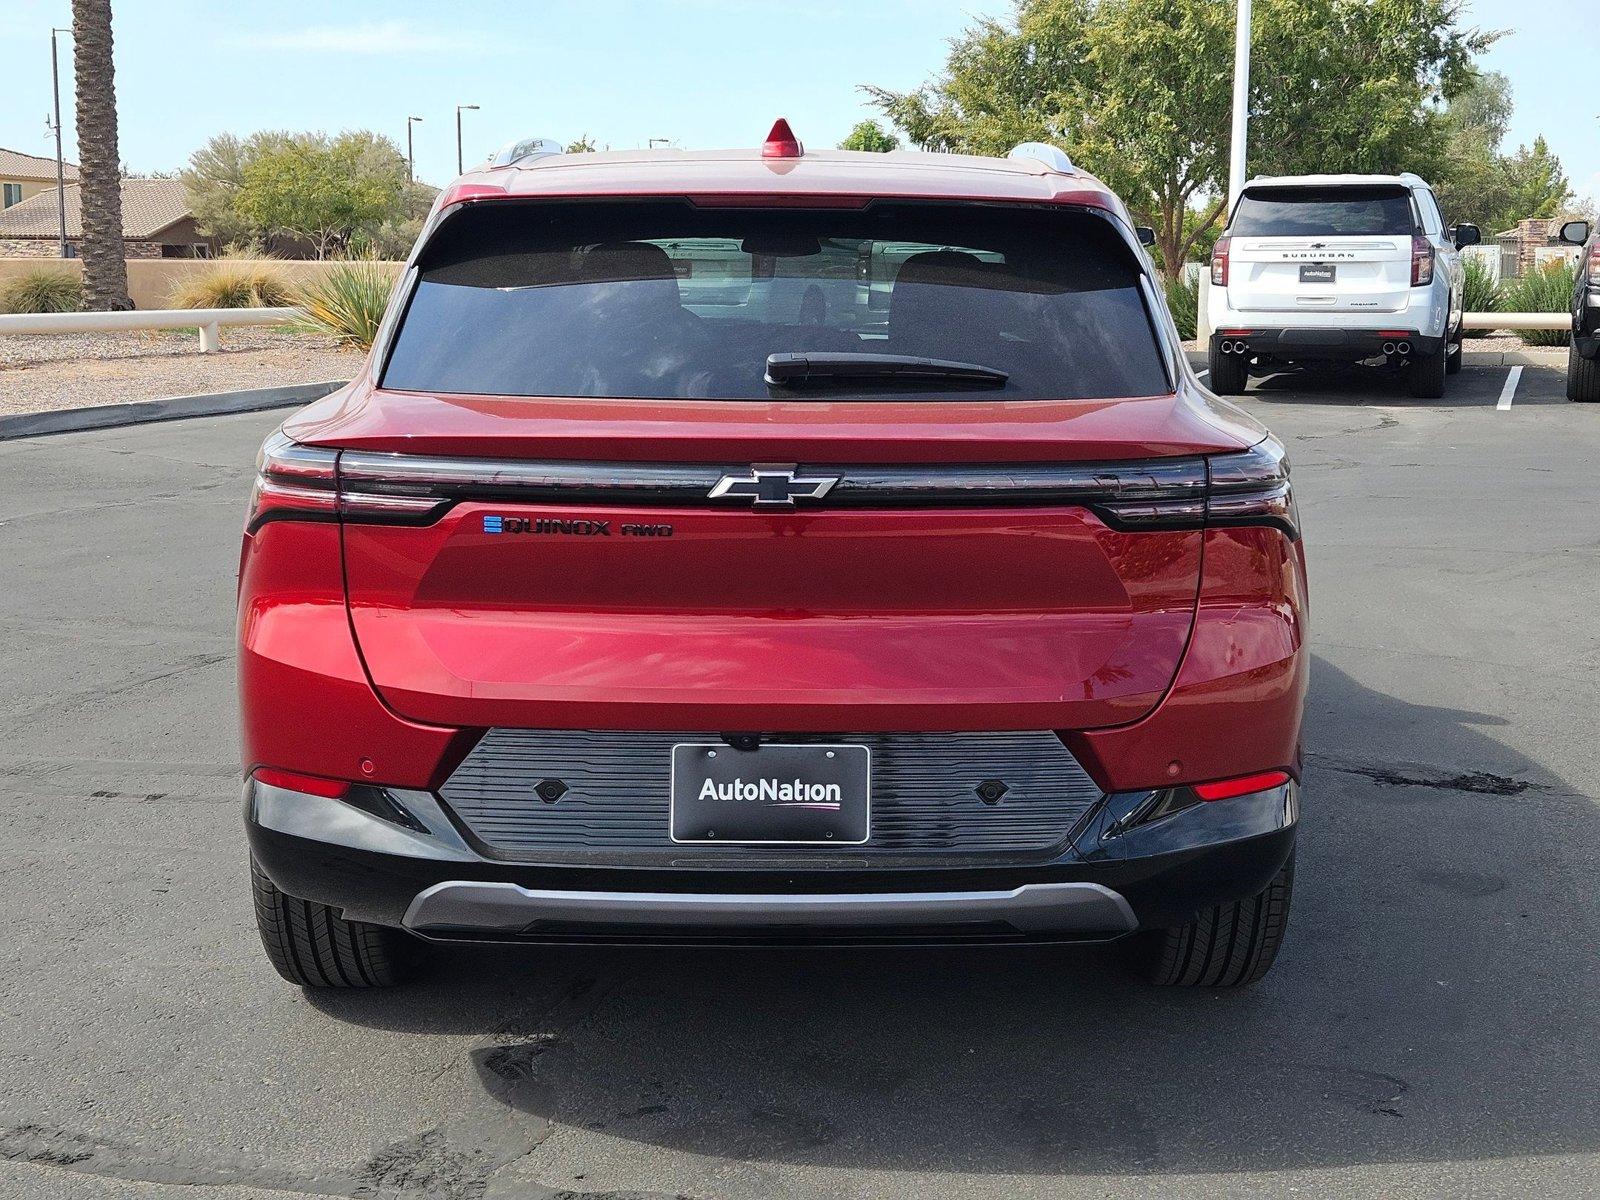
(1337, 268)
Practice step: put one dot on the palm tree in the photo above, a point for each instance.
(105, 274)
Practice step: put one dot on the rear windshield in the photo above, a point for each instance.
(1323, 212)
(666, 300)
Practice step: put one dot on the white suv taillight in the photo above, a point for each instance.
(1421, 260)
(1219, 261)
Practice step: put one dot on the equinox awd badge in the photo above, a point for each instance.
(773, 487)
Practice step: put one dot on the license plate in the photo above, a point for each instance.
(1317, 272)
(813, 795)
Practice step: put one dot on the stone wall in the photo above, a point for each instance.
(50, 248)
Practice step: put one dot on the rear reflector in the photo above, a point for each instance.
(311, 785)
(1224, 789)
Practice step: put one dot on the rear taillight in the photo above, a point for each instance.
(1421, 261)
(1594, 263)
(1219, 261)
(1252, 488)
(302, 483)
(293, 482)
(1249, 488)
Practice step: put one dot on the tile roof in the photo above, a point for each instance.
(14, 164)
(148, 207)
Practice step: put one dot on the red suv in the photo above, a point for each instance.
(771, 546)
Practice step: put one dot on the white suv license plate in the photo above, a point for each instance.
(774, 795)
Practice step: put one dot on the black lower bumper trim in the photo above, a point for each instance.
(1322, 345)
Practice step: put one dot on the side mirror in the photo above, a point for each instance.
(1147, 236)
(1575, 233)
(1465, 234)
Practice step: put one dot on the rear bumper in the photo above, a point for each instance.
(1102, 885)
(1328, 345)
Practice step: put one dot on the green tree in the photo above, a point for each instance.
(1139, 91)
(1478, 183)
(582, 145)
(1537, 185)
(870, 136)
(300, 186)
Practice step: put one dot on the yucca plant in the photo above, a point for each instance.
(42, 290)
(1183, 298)
(347, 300)
(233, 285)
(1481, 293)
(1548, 290)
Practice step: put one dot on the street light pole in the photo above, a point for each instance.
(1241, 103)
(61, 171)
(411, 158)
(459, 107)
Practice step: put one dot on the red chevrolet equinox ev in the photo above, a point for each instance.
(765, 546)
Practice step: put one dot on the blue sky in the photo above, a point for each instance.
(701, 72)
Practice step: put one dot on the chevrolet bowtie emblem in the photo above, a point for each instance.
(773, 487)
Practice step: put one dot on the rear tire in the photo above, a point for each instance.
(1583, 376)
(313, 946)
(1425, 375)
(1229, 375)
(1231, 945)
(1452, 356)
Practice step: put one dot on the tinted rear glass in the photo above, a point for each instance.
(662, 299)
(1323, 212)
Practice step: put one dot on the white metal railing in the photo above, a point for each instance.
(1560, 320)
(209, 321)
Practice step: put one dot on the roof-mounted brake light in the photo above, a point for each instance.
(1053, 157)
(781, 142)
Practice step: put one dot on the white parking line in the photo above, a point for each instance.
(1509, 390)
(1202, 374)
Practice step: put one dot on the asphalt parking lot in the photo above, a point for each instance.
(1428, 1031)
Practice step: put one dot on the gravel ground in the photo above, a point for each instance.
(78, 370)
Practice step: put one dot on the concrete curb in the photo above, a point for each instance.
(170, 408)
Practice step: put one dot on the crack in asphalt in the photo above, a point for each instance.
(1480, 783)
(424, 1165)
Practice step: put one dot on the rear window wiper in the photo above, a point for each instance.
(797, 370)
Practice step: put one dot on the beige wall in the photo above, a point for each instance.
(151, 281)
(32, 187)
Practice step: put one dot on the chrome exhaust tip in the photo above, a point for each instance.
(1388, 347)
(1404, 347)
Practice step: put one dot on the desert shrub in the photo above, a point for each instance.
(1481, 293)
(1183, 298)
(42, 290)
(1544, 291)
(347, 300)
(233, 285)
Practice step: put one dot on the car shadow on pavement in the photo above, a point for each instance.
(1434, 1002)
(1475, 387)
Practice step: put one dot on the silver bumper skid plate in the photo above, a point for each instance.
(487, 908)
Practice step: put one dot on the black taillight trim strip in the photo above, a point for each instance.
(653, 484)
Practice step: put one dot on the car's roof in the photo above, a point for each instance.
(899, 173)
(1405, 180)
